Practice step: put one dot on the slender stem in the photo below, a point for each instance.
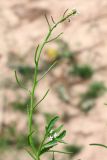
(31, 109)
(35, 83)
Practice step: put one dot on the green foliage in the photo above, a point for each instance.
(5, 143)
(51, 124)
(7, 137)
(10, 138)
(63, 94)
(26, 71)
(50, 140)
(52, 137)
(88, 98)
(87, 105)
(74, 149)
(95, 90)
(84, 71)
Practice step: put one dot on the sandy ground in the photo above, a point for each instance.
(22, 26)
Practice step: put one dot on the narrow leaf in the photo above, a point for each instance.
(55, 38)
(61, 141)
(48, 146)
(57, 130)
(65, 12)
(48, 70)
(53, 20)
(41, 99)
(47, 21)
(18, 82)
(51, 124)
(61, 136)
(101, 145)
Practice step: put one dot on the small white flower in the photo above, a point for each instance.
(50, 138)
(55, 135)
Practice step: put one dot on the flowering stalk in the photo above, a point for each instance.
(55, 137)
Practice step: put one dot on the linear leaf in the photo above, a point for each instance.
(48, 146)
(57, 130)
(47, 21)
(41, 99)
(61, 136)
(55, 38)
(18, 82)
(51, 124)
(101, 145)
(49, 69)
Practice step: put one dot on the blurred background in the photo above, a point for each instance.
(78, 82)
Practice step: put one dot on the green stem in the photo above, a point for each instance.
(35, 83)
(31, 109)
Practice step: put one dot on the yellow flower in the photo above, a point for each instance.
(52, 53)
